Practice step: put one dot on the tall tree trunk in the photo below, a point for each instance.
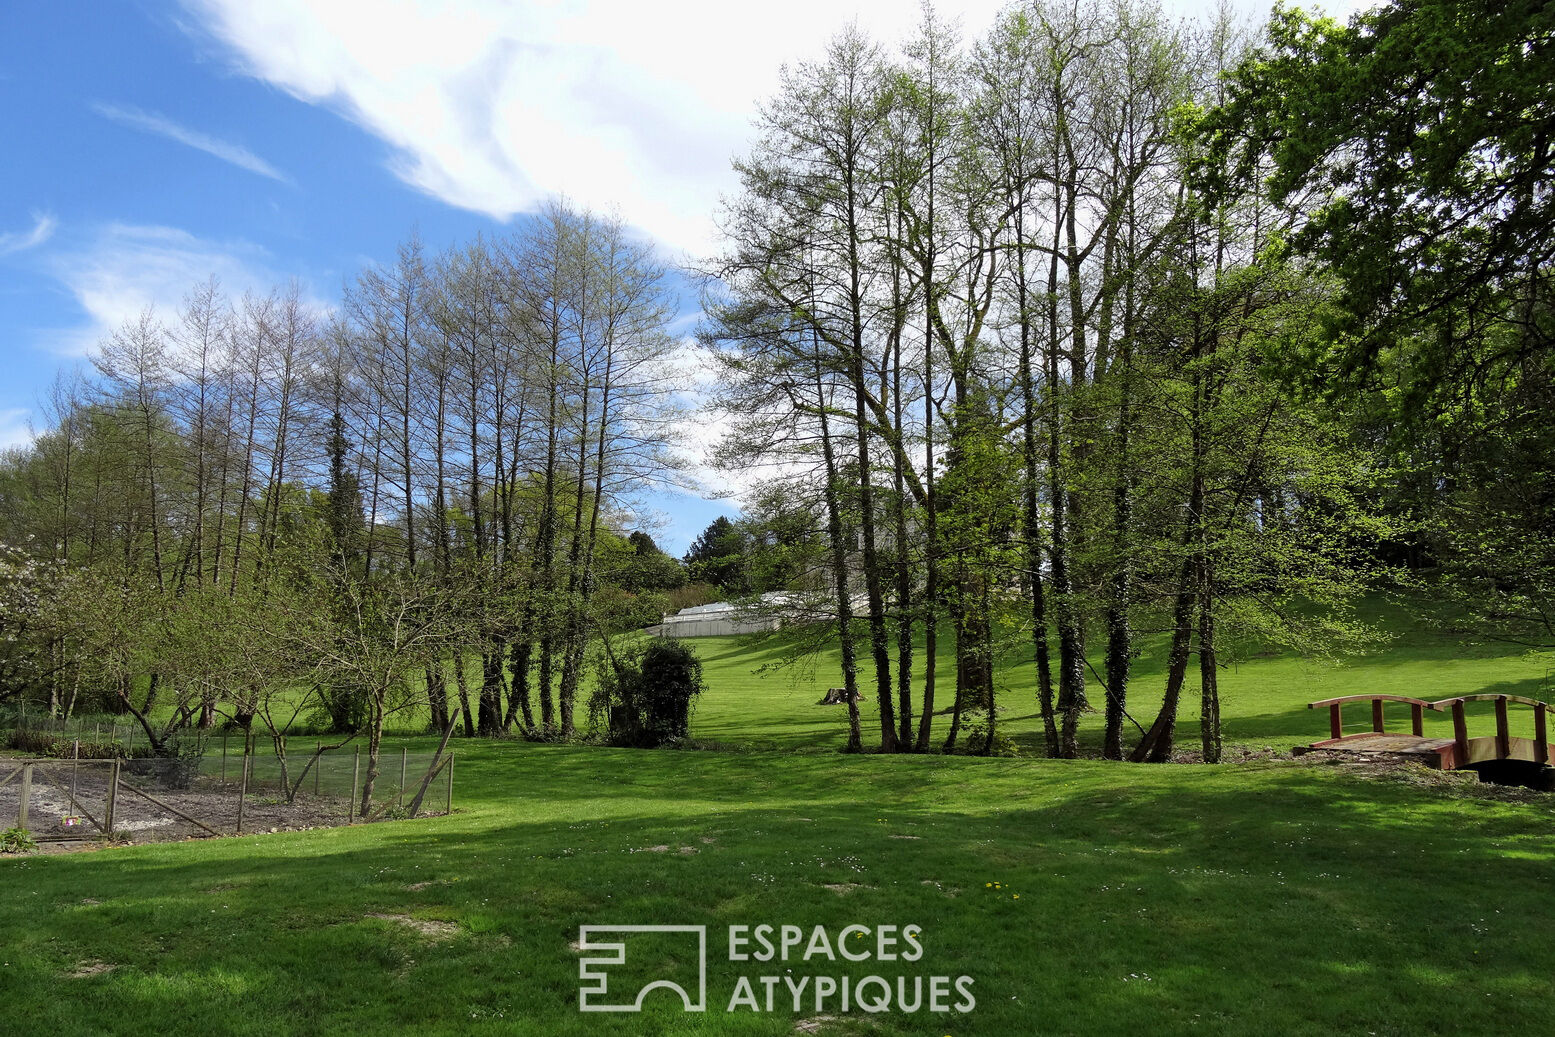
(1156, 746)
(839, 565)
(1119, 632)
(1209, 684)
(462, 681)
(491, 693)
(904, 603)
(878, 638)
(1071, 641)
(519, 697)
(374, 748)
(437, 696)
(1030, 513)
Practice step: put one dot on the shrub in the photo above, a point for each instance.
(62, 747)
(65, 748)
(177, 770)
(31, 741)
(974, 741)
(647, 696)
(17, 840)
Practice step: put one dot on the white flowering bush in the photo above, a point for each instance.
(24, 642)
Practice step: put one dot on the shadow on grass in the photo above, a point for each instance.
(1167, 899)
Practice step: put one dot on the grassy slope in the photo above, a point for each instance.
(1274, 898)
(1263, 696)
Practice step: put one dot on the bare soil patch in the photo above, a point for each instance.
(432, 928)
(67, 807)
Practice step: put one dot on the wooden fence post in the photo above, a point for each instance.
(318, 764)
(1503, 733)
(1335, 722)
(243, 787)
(21, 814)
(75, 763)
(113, 796)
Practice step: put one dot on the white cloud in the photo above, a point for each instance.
(492, 105)
(692, 369)
(162, 126)
(127, 268)
(14, 428)
(18, 241)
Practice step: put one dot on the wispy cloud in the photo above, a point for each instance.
(491, 105)
(19, 241)
(125, 268)
(161, 126)
(14, 428)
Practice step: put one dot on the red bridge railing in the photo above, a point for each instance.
(1460, 731)
(1454, 705)
(1417, 708)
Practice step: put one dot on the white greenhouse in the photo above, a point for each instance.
(720, 619)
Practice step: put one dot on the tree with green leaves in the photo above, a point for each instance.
(717, 556)
(1411, 151)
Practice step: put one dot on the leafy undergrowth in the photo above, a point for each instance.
(1081, 897)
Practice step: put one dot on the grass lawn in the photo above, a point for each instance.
(1268, 897)
(753, 699)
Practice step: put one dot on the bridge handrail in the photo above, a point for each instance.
(1460, 730)
(1417, 708)
(1369, 698)
(1445, 704)
(1453, 705)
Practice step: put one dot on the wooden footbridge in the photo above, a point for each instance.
(1446, 754)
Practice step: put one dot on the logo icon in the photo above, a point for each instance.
(599, 948)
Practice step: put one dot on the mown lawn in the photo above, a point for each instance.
(1081, 897)
(1270, 898)
(765, 693)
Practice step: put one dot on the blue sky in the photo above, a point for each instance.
(150, 145)
(146, 151)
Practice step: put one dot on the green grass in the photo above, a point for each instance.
(1271, 898)
(1267, 897)
(752, 698)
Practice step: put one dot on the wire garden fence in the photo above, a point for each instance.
(225, 791)
(99, 730)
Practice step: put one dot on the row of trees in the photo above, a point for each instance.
(1097, 328)
(263, 495)
(1037, 331)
